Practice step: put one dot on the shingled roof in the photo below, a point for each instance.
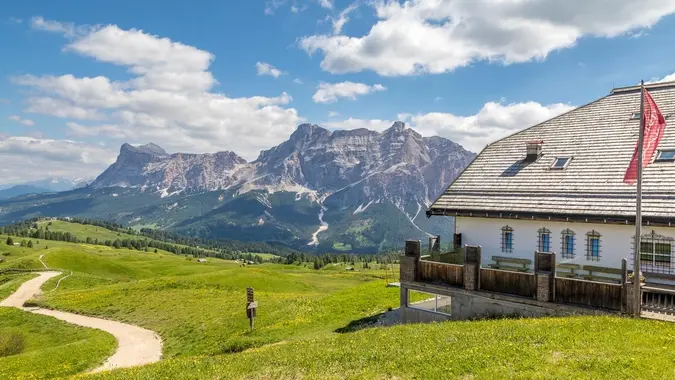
(600, 137)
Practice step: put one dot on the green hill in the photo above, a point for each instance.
(308, 324)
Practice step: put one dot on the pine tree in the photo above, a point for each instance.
(30, 244)
(10, 241)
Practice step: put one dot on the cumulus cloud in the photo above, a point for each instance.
(168, 98)
(667, 78)
(437, 36)
(19, 119)
(29, 158)
(264, 68)
(474, 132)
(330, 92)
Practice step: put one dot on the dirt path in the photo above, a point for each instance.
(135, 345)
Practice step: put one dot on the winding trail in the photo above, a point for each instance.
(135, 345)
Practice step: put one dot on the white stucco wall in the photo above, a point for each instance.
(616, 242)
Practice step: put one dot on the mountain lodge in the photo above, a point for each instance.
(558, 187)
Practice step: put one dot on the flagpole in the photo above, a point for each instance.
(638, 207)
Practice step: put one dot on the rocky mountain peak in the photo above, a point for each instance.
(307, 131)
(151, 149)
(396, 128)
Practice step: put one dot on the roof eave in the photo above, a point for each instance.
(554, 217)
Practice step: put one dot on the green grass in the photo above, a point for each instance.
(203, 314)
(198, 310)
(264, 256)
(342, 246)
(553, 348)
(82, 231)
(52, 348)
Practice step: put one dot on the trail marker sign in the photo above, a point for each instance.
(251, 306)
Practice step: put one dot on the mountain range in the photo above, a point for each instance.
(356, 190)
(48, 185)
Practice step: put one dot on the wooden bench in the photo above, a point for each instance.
(510, 263)
(571, 273)
(591, 269)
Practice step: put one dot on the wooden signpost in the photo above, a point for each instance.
(251, 306)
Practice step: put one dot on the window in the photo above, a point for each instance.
(568, 244)
(635, 116)
(429, 301)
(656, 253)
(544, 240)
(593, 246)
(507, 239)
(561, 162)
(666, 155)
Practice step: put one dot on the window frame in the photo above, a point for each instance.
(565, 243)
(507, 243)
(660, 152)
(648, 257)
(540, 240)
(555, 160)
(591, 249)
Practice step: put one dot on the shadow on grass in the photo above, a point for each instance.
(387, 318)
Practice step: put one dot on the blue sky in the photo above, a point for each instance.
(80, 78)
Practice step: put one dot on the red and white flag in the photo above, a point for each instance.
(654, 125)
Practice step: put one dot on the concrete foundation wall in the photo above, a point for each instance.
(467, 305)
(412, 315)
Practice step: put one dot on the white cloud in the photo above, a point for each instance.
(437, 36)
(343, 18)
(298, 81)
(667, 78)
(28, 158)
(333, 114)
(474, 132)
(68, 29)
(168, 98)
(61, 108)
(330, 92)
(19, 119)
(264, 68)
(328, 4)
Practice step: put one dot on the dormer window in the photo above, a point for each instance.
(561, 162)
(666, 155)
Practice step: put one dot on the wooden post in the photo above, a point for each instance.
(553, 275)
(251, 307)
(624, 286)
(412, 260)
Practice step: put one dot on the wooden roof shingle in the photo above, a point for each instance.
(600, 137)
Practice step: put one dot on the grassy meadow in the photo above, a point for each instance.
(39, 347)
(304, 327)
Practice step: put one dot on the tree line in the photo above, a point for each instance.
(153, 240)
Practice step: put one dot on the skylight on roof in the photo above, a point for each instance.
(635, 116)
(561, 162)
(666, 155)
